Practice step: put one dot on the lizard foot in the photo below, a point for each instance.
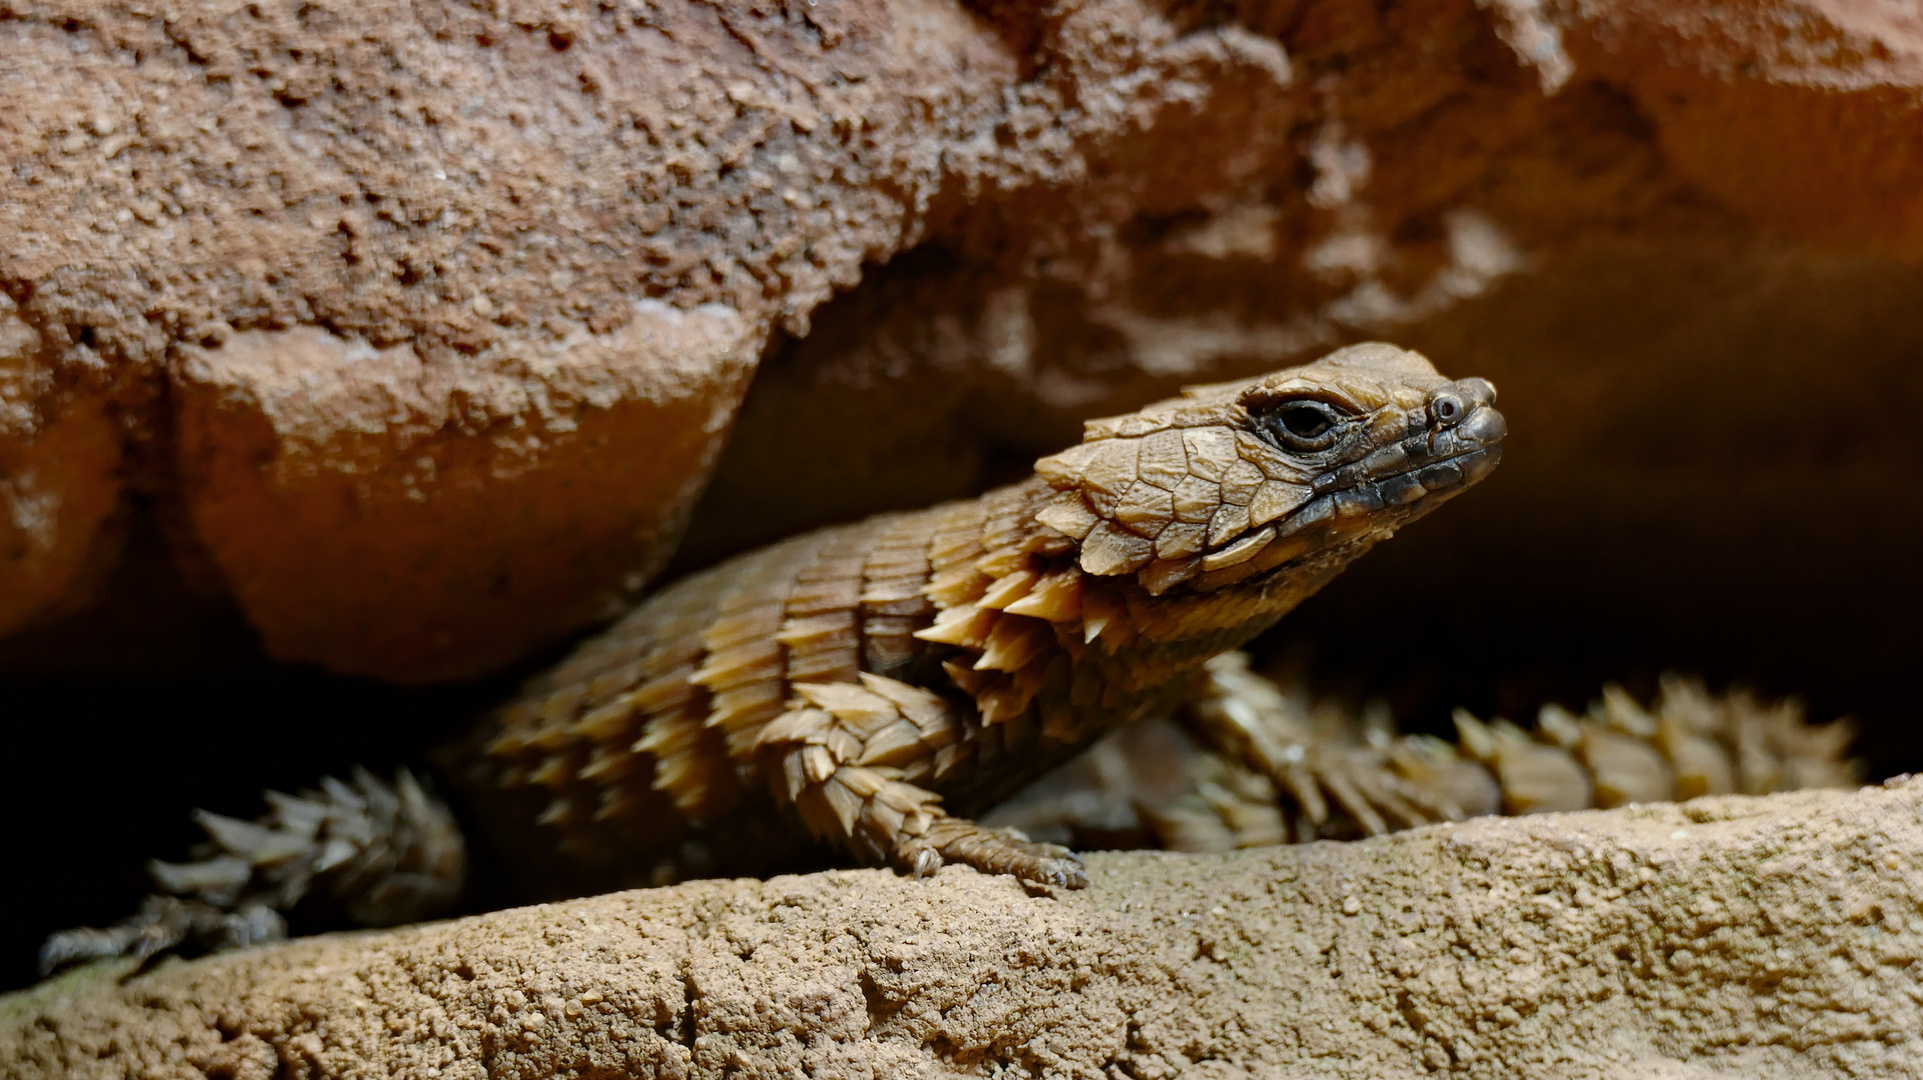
(992, 851)
(839, 755)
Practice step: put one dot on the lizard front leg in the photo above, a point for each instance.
(848, 759)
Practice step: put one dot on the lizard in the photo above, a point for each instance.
(873, 686)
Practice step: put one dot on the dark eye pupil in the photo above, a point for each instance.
(1304, 421)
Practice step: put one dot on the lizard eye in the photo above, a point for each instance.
(1304, 424)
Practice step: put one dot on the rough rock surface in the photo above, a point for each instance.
(300, 452)
(59, 455)
(1773, 937)
(454, 221)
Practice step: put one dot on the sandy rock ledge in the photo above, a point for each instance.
(1771, 937)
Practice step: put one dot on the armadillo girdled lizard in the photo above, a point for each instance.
(872, 685)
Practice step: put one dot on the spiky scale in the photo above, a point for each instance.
(1277, 749)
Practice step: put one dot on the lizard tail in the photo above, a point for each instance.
(382, 853)
(1285, 769)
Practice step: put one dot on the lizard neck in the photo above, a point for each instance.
(1028, 622)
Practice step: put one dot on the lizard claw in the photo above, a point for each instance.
(1046, 864)
(1066, 872)
(1004, 851)
(925, 862)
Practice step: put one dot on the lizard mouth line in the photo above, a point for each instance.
(1396, 496)
(1444, 477)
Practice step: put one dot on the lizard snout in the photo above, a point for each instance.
(1461, 400)
(1468, 430)
(1484, 427)
(1465, 412)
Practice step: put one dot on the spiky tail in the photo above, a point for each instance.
(1286, 767)
(1256, 760)
(383, 853)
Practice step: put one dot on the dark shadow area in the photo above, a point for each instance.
(121, 762)
(1509, 627)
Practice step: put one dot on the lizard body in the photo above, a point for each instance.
(869, 685)
(886, 677)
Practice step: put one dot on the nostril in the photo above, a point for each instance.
(1447, 408)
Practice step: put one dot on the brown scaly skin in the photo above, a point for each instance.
(869, 684)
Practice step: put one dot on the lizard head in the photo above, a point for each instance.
(1234, 480)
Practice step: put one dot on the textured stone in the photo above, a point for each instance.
(480, 508)
(1773, 937)
(59, 481)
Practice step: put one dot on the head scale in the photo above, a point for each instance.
(1232, 480)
